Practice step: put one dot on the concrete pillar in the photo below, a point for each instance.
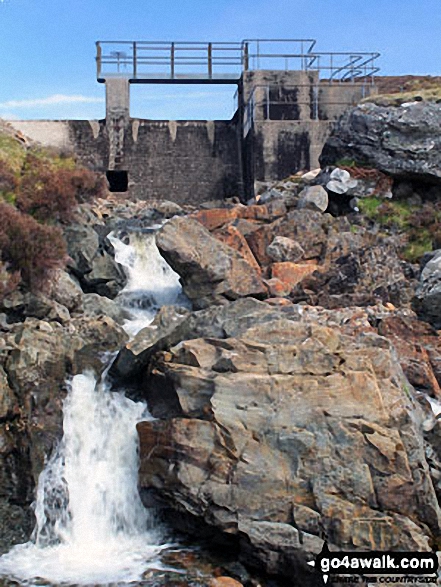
(117, 120)
(117, 98)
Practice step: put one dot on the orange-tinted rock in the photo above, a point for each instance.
(291, 273)
(258, 242)
(277, 288)
(234, 239)
(419, 350)
(216, 217)
(255, 213)
(278, 302)
(224, 582)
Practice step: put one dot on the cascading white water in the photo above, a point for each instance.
(91, 525)
(152, 283)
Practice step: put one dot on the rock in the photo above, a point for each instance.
(42, 307)
(41, 355)
(91, 263)
(341, 181)
(427, 300)
(96, 305)
(284, 249)
(277, 288)
(216, 217)
(361, 277)
(224, 582)
(308, 228)
(20, 305)
(278, 302)
(311, 175)
(232, 237)
(16, 523)
(169, 209)
(290, 274)
(97, 335)
(313, 197)
(8, 400)
(210, 270)
(418, 346)
(323, 423)
(82, 245)
(37, 368)
(106, 277)
(401, 141)
(170, 325)
(66, 291)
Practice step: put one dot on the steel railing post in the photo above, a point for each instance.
(98, 59)
(210, 60)
(172, 61)
(135, 66)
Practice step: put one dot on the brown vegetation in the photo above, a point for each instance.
(29, 248)
(49, 193)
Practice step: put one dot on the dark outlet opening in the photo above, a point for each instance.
(118, 180)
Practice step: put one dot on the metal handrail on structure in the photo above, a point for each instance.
(262, 99)
(164, 61)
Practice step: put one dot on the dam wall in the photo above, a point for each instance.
(282, 122)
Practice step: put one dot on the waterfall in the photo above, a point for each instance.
(91, 527)
(152, 283)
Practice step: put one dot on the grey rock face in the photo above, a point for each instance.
(322, 423)
(285, 249)
(96, 305)
(168, 328)
(210, 270)
(402, 141)
(427, 300)
(314, 198)
(96, 270)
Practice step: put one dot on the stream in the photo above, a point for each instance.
(91, 527)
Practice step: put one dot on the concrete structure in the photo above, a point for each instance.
(282, 121)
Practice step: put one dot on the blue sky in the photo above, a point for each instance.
(48, 46)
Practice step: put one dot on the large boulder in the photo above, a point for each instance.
(427, 300)
(169, 327)
(210, 270)
(402, 141)
(91, 263)
(359, 272)
(289, 432)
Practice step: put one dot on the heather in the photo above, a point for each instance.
(40, 191)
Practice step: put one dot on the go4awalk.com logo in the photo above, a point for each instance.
(411, 568)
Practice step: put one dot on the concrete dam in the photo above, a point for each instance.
(288, 97)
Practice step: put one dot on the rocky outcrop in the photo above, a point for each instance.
(402, 141)
(91, 263)
(211, 272)
(427, 301)
(358, 274)
(36, 359)
(321, 421)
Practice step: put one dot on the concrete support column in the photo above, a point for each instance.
(117, 120)
(117, 98)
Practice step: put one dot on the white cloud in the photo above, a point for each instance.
(8, 116)
(55, 99)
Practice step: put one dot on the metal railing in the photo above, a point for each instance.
(163, 61)
(274, 102)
